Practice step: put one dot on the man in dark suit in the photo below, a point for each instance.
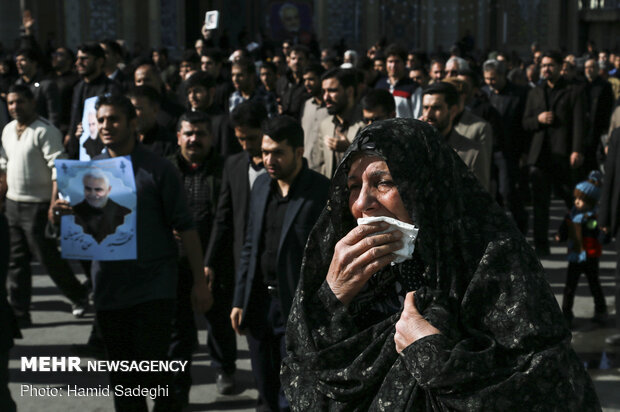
(45, 91)
(511, 141)
(554, 114)
(284, 205)
(609, 214)
(599, 105)
(227, 236)
(97, 214)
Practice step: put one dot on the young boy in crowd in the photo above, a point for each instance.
(580, 228)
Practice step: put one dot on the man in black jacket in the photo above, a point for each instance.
(511, 140)
(554, 114)
(229, 228)
(290, 88)
(152, 135)
(284, 205)
(201, 172)
(609, 215)
(45, 91)
(89, 64)
(66, 78)
(600, 102)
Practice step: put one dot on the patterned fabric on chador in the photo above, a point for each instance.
(503, 344)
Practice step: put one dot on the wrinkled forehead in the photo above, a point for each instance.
(365, 161)
(95, 181)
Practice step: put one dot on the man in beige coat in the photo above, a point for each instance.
(337, 131)
(440, 108)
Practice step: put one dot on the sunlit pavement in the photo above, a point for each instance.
(55, 330)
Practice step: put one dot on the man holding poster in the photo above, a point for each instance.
(134, 299)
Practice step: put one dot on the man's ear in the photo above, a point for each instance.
(350, 91)
(454, 110)
(299, 152)
(133, 124)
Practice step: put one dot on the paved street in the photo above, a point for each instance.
(55, 330)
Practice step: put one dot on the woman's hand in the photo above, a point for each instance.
(411, 326)
(358, 256)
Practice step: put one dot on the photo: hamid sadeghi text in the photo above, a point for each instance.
(27, 390)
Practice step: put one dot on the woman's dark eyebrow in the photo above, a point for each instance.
(379, 173)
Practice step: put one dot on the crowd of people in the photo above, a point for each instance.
(233, 152)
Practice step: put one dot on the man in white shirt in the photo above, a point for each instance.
(31, 144)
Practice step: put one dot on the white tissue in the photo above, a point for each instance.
(410, 232)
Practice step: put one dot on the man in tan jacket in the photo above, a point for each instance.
(337, 131)
(440, 106)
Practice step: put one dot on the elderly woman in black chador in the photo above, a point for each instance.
(482, 331)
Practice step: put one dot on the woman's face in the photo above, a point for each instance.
(373, 192)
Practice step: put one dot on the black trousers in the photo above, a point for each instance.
(6, 402)
(617, 281)
(184, 334)
(27, 223)
(590, 269)
(507, 175)
(556, 176)
(140, 332)
(266, 327)
(221, 339)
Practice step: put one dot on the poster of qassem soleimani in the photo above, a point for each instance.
(90, 144)
(103, 196)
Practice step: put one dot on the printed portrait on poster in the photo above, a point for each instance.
(102, 194)
(291, 20)
(90, 144)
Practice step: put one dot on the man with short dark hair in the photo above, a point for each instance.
(166, 69)
(201, 95)
(113, 53)
(212, 63)
(599, 105)
(66, 78)
(378, 64)
(314, 111)
(30, 145)
(555, 115)
(229, 229)
(290, 87)
(377, 104)
(135, 299)
(475, 128)
(419, 75)
(243, 75)
(440, 107)
(147, 74)
(89, 65)
(337, 131)
(268, 74)
(407, 93)
(45, 91)
(153, 136)
(283, 207)
(201, 172)
(509, 145)
(437, 71)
